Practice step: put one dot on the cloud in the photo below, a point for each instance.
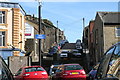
(62, 0)
(4, 0)
(60, 14)
(81, 0)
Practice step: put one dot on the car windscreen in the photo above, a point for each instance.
(75, 51)
(55, 67)
(73, 67)
(64, 52)
(32, 69)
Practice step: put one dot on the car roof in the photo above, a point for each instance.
(78, 40)
(54, 66)
(116, 43)
(75, 50)
(70, 64)
(65, 51)
(30, 66)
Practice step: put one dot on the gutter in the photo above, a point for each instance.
(12, 49)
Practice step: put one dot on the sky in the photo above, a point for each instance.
(69, 13)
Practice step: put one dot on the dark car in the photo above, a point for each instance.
(53, 50)
(76, 53)
(78, 44)
(64, 54)
(109, 67)
(92, 73)
(52, 70)
(62, 43)
(5, 73)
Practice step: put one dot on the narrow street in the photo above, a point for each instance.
(83, 60)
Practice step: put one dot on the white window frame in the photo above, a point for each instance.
(2, 38)
(2, 17)
(116, 31)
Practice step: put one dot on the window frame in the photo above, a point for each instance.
(5, 38)
(116, 31)
(3, 17)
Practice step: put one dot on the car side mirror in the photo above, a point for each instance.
(14, 74)
(94, 68)
(111, 78)
(53, 72)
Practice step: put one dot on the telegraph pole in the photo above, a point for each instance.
(83, 23)
(57, 24)
(57, 33)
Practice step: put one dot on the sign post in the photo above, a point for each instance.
(40, 36)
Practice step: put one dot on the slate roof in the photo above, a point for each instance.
(110, 17)
(69, 46)
(12, 5)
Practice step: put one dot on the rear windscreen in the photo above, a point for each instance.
(73, 67)
(75, 51)
(32, 69)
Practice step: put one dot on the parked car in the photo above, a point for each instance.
(92, 73)
(62, 43)
(31, 73)
(53, 50)
(70, 72)
(109, 67)
(78, 44)
(76, 53)
(64, 54)
(52, 70)
(5, 73)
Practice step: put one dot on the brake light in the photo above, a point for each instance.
(44, 73)
(26, 74)
(82, 72)
(65, 73)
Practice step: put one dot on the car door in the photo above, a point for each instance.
(5, 73)
(59, 72)
(104, 63)
(114, 64)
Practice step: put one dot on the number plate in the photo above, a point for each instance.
(75, 72)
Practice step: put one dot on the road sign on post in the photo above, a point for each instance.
(40, 36)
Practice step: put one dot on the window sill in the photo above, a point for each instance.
(3, 24)
(3, 47)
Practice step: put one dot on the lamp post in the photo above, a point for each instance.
(39, 20)
(84, 46)
(57, 33)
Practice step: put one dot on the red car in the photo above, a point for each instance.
(31, 73)
(70, 72)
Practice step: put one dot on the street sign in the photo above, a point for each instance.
(40, 36)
